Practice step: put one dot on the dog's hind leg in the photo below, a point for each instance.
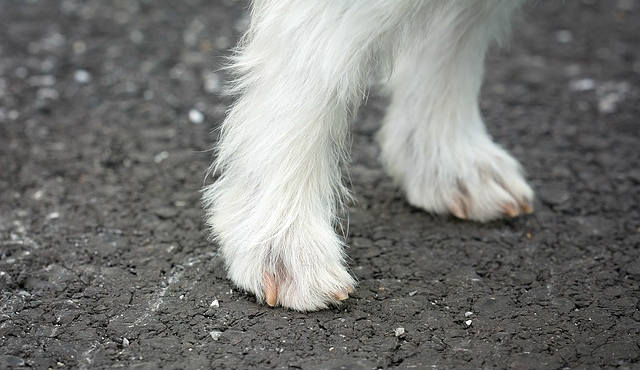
(434, 142)
(275, 206)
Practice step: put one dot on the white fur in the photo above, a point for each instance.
(300, 75)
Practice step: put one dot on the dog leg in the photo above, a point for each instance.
(274, 208)
(434, 142)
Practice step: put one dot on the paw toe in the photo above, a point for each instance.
(525, 206)
(270, 289)
(341, 295)
(510, 209)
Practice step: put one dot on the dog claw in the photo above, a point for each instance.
(341, 296)
(510, 210)
(458, 210)
(270, 290)
(526, 207)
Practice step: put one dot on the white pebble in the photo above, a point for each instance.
(161, 156)
(82, 76)
(468, 322)
(53, 215)
(215, 335)
(215, 303)
(583, 84)
(608, 103)
(399, 331)
(195, 116)
(610, 94)
(468, 313)
(125, 342)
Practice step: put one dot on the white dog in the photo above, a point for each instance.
(301, 73)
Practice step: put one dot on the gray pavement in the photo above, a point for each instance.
(106, 109)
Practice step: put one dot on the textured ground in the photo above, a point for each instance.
(105, 114)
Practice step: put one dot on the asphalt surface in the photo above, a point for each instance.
(106, 109)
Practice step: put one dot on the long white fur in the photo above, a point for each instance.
(300, 74)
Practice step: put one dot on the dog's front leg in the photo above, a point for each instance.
(273, 210)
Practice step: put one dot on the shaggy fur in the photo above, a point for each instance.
(301, 73)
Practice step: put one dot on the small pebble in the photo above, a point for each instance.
(468, 322)
(399, 331)
(161, 156)
(82, 76)
(195, 116)
(608, 103)
(53, 215)
(125, 342)
(215, 303)
(610, 94)
(583, 84)
(468, 313)
(215, 335)
(412, 293)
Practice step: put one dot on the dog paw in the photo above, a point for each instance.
(302, 291)
(286, 256)
(305, 280)
(479, 183)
